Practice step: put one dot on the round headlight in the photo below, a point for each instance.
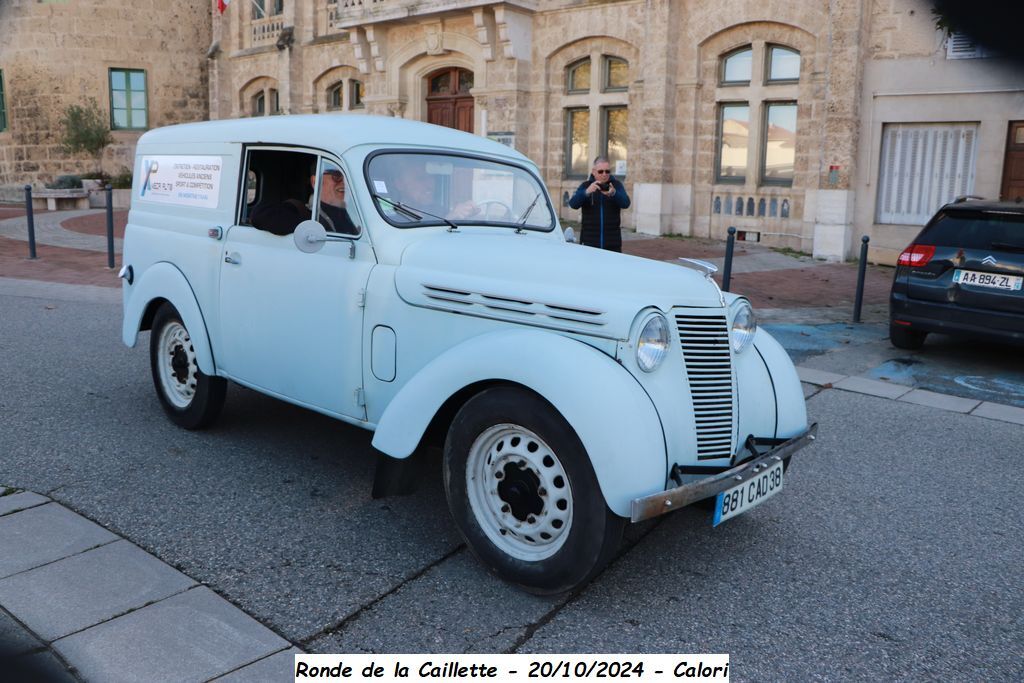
(744, 325)
(652, 345)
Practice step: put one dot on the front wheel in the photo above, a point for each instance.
(522, 491)
(191, 398)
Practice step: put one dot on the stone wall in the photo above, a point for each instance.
(57, 53)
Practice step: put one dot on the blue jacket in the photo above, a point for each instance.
(600, 219)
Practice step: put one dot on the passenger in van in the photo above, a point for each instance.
(283, 217)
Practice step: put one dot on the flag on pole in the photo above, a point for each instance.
(222, 5)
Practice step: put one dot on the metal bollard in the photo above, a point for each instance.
(861, 268)
(730, 243)
(31, 223)
(110, 225)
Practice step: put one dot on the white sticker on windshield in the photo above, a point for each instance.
(380, 187)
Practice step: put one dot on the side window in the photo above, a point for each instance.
(332, 210)
(279, 184)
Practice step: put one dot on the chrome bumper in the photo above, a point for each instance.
(681, 496)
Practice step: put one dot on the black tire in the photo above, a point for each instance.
(903, 338)
(191, 399)
(544, 541)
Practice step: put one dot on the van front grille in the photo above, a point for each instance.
(705, 343)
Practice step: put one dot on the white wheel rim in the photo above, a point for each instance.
(176, 364)
(519, 492)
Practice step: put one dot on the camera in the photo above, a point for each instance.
(604, 187)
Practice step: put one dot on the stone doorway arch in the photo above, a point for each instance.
(448, 100)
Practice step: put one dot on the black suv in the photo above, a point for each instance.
(962, 275)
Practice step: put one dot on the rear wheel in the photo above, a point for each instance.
(905, 338)
(191, 399)
(524, 495)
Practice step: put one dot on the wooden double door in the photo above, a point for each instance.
(448, 100)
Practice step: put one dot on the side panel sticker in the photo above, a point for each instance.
(182, 180)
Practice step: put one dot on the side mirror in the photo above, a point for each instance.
(310, 237)
(570, 235)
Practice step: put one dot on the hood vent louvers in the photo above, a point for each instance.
(512, 308)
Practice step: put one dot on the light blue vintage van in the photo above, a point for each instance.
(414, 280)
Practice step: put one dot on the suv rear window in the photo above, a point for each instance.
(975, 230)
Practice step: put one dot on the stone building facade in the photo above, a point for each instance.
(144, 63)
(766, 115)
(803, 123)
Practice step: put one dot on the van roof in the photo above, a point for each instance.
(313, 130)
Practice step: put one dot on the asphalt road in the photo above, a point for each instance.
(893, 553)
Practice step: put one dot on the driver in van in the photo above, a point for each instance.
(416, 187)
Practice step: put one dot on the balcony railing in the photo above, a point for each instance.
(266, 30)
(340, 15)
(348, 13)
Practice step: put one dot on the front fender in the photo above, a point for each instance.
(789, 394)
(164, 281)
(612, 415)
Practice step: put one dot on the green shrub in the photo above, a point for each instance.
(123, 179)
(65, 182)
(85, 129)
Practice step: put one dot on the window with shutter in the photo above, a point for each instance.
(962, 46)
(922, 167)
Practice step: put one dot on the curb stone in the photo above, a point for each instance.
(932, 399)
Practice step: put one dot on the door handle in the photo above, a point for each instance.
(233, 258)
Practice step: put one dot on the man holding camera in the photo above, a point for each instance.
(601, 198)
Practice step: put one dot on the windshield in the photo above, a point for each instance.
(413, 189)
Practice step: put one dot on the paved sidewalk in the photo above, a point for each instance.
(783, 285)
(71, 246)
(79, 603)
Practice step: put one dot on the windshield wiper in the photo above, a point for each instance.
(530, 208)
(413, 212)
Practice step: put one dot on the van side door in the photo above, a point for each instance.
(291, 322)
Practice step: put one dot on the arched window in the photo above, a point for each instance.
(616, 74)
(757, 121)
(335, 95)
(259, 97)
(596, 119)
(783, 65)
(338, 90)
(737, 67)
(578, 77)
